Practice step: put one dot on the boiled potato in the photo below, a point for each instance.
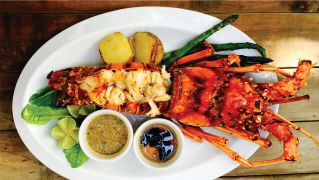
(147, 47)
(115, 48)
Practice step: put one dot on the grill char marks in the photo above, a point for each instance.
(193, 95)
(216, 106)
(66, 82)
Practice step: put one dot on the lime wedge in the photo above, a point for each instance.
(66, 142)
(67, 124)
(66, 133)
(87, 109)
(57, 133)
(74, 110)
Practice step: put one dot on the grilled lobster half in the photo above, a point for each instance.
(207, 94)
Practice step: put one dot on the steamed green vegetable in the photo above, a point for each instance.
(34, 114)
(197, 40)
(66, 133)
(75, 156)
(42, 108)
(44, 96)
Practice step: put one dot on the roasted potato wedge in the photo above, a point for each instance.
(115, 48)
(147, 47)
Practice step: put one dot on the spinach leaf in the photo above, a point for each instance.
(75, 156)
(34, 114)
(44, 96)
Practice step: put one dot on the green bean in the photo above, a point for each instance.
(197, 40)
(226, 47)
(234, 46)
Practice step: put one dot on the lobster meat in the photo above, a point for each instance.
(132, 87)
(207, 94)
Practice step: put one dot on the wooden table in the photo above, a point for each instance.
(288, 30)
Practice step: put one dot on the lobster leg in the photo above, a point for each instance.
(295, 127)
(246, 136)
(287, 87)
(215, 140)
(290, 153)
(198, 55)
(190, 135)
(290, 148)
(233, 155)
(256, 68)
(288, 100)
(223, 62)
(199, 132)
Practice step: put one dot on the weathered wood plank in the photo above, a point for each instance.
(308, 156)
(306, 110)
(284, 40)
(7, 84)
(296, 111)
(273, 177)
(6, 118)
(8, 81)
(205, 6)
(25, 33)
(17, 162)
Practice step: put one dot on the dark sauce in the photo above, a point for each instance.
(159, 143)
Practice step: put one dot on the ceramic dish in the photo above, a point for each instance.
(86, 147)
(137, 143)
(78, 45)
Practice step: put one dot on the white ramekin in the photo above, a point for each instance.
(137, 148)
(85, 146)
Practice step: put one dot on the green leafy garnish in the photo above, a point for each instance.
(83, 110)
(75, 156)
(34, 114)
(66, 133)
(44, 96)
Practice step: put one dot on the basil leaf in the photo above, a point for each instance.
(75, 156)
(34, 114)
(44, 96)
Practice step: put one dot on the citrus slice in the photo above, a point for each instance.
(74, 110)
(66, 133)
(87, 109)
(83, 110)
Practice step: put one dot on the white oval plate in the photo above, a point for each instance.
(78, 45)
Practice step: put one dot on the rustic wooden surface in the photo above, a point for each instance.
(289, 30)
